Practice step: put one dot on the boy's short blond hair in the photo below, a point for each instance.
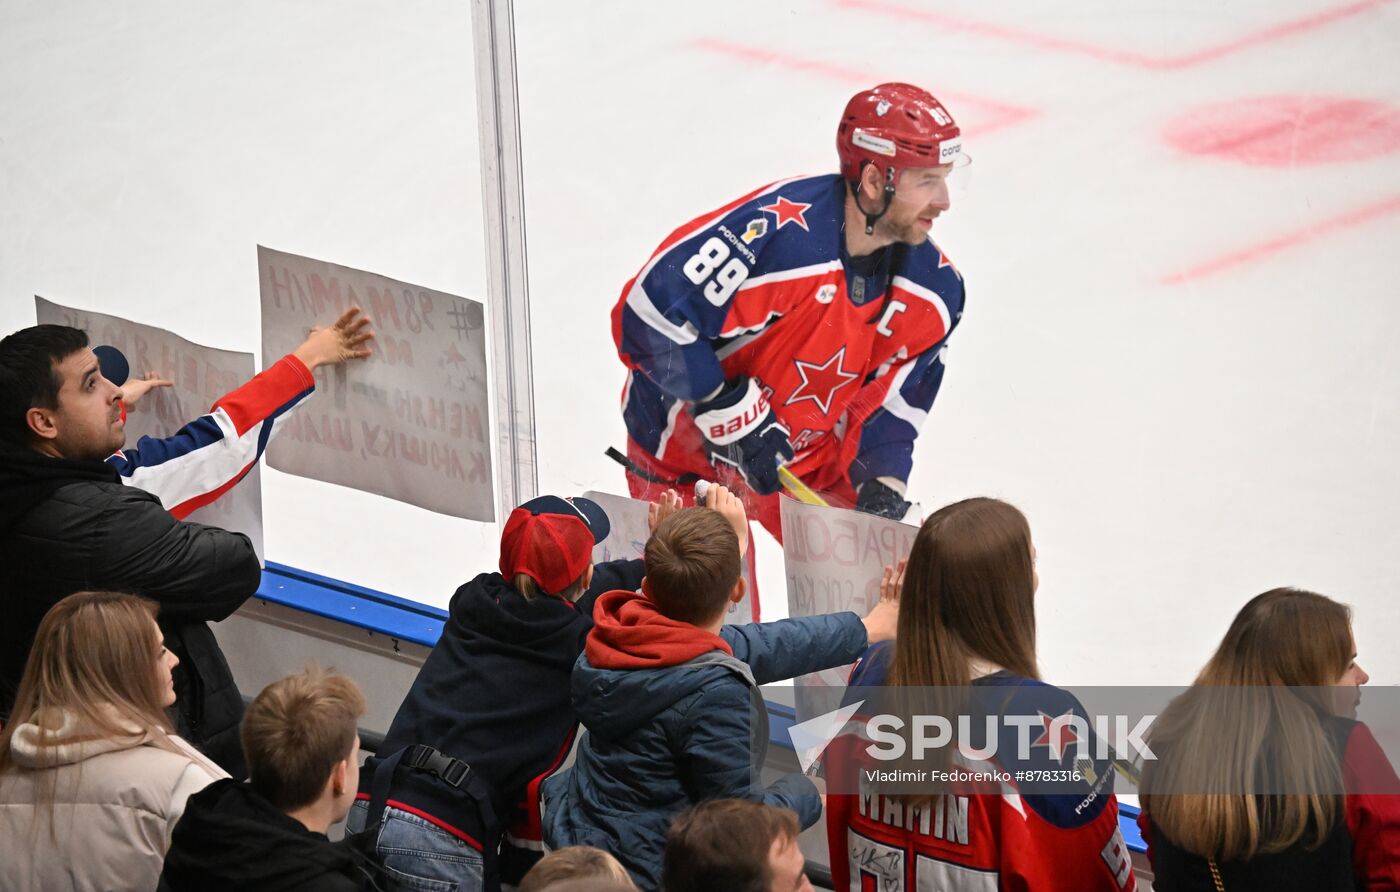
(296, 731)
(692, 563)
(575, 863)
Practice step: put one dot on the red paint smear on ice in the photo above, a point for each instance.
(990, 114)
(1288, 131)
(1103, 53)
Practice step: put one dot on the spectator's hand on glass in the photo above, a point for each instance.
(135, 388)
(731, 508)
(882, 621)
(892, 581)
(662, 508)
(347, 339)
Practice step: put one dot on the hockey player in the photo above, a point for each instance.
(801, 325)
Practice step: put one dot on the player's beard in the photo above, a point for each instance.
(907, 231)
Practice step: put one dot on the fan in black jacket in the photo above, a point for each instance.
(230, 837)
(67, 524)
(494, 695)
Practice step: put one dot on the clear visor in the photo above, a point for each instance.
(925, 185)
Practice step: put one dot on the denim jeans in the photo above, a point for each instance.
(418, 855)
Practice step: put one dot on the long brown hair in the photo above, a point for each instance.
(94, 659)
(969, 593)
(1244, 732)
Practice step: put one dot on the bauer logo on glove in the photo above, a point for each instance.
(741, 432)
(736, 427)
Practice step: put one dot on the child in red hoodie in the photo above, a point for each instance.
(669, 693)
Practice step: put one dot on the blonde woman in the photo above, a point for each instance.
(92, 778)
(1264, 780)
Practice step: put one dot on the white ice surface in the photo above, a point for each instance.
(1177, 447)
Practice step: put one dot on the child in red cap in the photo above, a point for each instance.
(453, 796)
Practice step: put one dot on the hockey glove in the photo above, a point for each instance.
(741, 432)
(877, 498)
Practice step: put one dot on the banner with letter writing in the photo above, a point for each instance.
(834, 558)
(410, 423)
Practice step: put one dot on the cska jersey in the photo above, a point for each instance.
(210, 455)
(849, 351)
(984, 837)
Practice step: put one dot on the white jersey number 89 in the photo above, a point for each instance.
(730, 276)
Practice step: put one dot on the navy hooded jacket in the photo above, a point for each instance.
(663, 739)
(494, 693)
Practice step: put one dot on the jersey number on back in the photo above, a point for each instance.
(704, 262)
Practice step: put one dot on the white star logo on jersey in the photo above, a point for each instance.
(817, 379)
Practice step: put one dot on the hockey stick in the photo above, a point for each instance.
(791, 482)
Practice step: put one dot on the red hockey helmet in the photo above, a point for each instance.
(896, 126)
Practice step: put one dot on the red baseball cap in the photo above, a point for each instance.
(551, 539)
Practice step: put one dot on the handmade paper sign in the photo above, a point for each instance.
(628, 536)
(201, 374)
(834, 558)
(411, 422)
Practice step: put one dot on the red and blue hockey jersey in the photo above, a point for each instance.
(208, 456)
(999, 836)
(849, 350)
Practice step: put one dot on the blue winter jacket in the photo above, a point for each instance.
(660, 740)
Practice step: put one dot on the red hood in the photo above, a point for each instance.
(630, 633)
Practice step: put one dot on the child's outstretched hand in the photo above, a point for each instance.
(892, 581)
(662, 508)
(731, 508)
(883, 621)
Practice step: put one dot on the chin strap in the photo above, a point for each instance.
(872, 219)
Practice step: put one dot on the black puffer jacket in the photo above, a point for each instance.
(68, 526)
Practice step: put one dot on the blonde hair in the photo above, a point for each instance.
(1262, 735)
(529, 589)
(94, 662)
(296, 731)
(574, 863)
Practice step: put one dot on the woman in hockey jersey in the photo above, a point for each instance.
(1271, 713)
(967, 632)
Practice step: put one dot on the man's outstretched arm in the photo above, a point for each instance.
(207, 457)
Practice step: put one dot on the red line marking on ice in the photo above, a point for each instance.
(1108, 53)
(995, 115)
(1288, 240)
(1288, 131)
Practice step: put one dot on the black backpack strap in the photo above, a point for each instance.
(453, 772)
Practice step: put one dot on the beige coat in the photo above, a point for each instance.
(116, 803)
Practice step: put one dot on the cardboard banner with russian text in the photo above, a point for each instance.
(627, 539)
(834, 558)
(201, 374)
(410, 423)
